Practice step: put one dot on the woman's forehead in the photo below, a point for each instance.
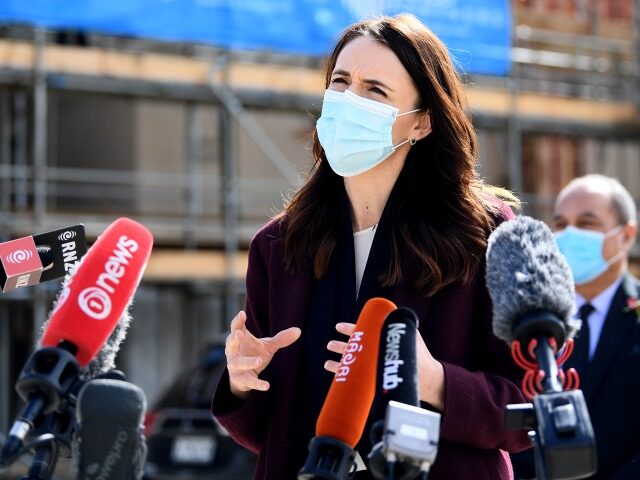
(365, 57)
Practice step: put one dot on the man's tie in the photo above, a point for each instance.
(580, 357)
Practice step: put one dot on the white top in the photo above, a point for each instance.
(362, 242)
(601, 303)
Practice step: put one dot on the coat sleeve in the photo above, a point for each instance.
(476, 397)
(630, 469)
(246, 420)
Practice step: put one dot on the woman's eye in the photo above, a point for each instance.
(378, 91)
(338, 80)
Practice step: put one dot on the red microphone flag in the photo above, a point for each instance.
(100, 289)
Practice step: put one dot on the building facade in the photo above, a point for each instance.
(203, 145)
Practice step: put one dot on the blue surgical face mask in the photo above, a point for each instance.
(355, 132)
(583, 251)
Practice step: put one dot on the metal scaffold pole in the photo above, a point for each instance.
(5, 165)
(253, 129)
(193, 191)
(230, 207)
(39, 174)
(636, 33)
(514, 134)
(5, 363)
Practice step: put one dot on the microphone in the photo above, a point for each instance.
(532, 290)
(108, 442)
(404, 436)
(345, 410)
(86, 314)
(39, 258)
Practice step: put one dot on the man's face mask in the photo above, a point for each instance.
(355, 132)
(583, 251)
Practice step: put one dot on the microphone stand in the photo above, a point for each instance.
(44, 460)
(558, 421)
(409, 440)
(53, 437)
(52, 440)
(48, 384)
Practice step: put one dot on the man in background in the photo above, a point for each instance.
(595, 225)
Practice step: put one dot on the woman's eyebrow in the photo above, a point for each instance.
(370, 81)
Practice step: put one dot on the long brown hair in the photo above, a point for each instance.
(444, 213)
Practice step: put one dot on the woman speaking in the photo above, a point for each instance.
(394, 208)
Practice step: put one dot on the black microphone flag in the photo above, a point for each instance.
(39, 258)
(404, 436)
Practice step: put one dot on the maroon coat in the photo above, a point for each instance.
(456, 326)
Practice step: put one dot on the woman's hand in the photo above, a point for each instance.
(430, 371)
(430, 376)
(247, 356)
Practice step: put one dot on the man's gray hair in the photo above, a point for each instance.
(621, 199)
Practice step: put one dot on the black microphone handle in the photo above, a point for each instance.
(328, 459)
(397, 380)
(12, 448)
(43, 464)
(547, 362)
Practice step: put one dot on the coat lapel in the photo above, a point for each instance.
(617, 326)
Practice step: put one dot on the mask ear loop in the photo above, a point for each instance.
(613, 231)
(402, 143)
(618, 255)
(412, 141)
(410, 111)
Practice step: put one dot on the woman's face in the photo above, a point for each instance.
(371, 70)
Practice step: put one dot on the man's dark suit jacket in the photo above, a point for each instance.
(611, 387)
(456, 326)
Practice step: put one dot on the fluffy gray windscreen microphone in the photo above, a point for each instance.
(525, 273)
(105, 359)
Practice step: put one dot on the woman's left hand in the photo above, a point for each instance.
(430, 371)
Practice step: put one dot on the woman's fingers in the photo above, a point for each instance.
(232, 344)
(283, 339)
(238, 321)
(331, 366)
(337, 347)
(261, 385)
(239, 364)
(244, 369)
(249, 381)
(243, 374)
(247, 356)
(345, 328)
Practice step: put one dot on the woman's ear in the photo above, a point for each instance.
(422, 127)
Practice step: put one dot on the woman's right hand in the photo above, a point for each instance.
(248, 356)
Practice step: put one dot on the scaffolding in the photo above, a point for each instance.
(570, 84)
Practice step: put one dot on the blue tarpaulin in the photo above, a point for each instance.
(477, 33)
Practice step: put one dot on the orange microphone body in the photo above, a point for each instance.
(344, 413)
